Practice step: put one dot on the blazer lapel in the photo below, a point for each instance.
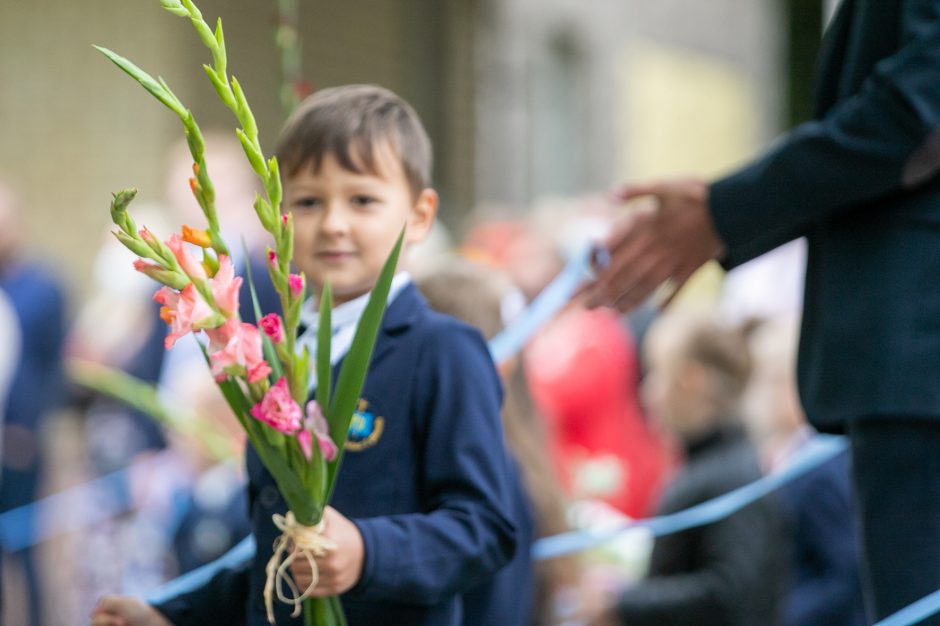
(832, 59)
(399, 316)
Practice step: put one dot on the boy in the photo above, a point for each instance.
(421, 499)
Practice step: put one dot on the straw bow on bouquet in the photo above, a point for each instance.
(259, 369)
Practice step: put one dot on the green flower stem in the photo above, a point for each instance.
(232, 95)
(204, 192)
(268, 208)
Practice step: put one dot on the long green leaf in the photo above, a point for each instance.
(324, 349)
(270, 352)
(298, 498)
(355, 365)
(146, 81)
(142, 396)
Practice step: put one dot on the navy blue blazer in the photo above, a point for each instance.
(425, 478)
(860, 181)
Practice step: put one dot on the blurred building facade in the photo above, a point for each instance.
(523, 98)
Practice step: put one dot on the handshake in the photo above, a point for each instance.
(662, 243)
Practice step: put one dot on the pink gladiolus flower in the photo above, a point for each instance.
(259, 372)
(221, 336)
(317, 423)
(284, 218)
(225, 287)
(271, 325)
(296, 284)
(187, 261)
(169, 299)
(278, 409)
(305, 439)
(235, 348)
(181, 310)
(272, 257)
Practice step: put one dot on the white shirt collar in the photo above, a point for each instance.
(348, 313)
(345, 319)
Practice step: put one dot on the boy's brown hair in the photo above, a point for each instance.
(351, 122)
(722, 349)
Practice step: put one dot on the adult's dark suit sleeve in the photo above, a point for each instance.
(881, 141)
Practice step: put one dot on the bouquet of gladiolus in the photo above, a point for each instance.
(260, 370)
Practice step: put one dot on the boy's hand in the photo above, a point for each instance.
(341, 568)
(123, 611)
(607, 618)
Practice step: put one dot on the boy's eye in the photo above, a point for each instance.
(308, 202)
(362, 200)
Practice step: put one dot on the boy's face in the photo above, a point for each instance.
(345, 224)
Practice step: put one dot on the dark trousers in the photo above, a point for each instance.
(896, 467)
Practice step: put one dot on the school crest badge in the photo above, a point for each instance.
(365, 429)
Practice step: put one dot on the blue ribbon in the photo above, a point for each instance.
(819, 450)
(20, 528)
(546, 306)
(914, 613)
(88, 504)
(243, 552)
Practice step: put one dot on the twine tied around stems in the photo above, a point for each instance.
(295, 541)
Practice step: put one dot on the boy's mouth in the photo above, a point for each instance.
(334, 255)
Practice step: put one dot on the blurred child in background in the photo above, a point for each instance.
(38, 385)
(824, 587)
(726, 573)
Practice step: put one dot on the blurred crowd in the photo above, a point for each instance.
(609, 418)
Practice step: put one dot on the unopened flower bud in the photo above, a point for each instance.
(272, 327)
(296, 284)
(197, 237)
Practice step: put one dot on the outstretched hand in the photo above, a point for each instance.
(667, 241)
(125, 611)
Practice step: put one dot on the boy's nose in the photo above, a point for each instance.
(334, 220)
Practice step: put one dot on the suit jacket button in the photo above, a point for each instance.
(268, 496)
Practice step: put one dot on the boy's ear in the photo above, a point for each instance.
(422, 216)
